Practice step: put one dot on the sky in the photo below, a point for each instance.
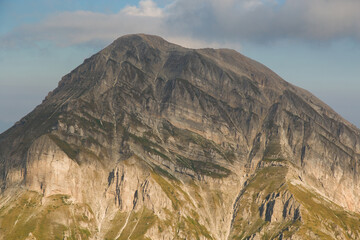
(312, 44)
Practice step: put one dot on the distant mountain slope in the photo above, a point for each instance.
(147, 139)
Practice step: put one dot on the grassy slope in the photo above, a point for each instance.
(319, 218)
(54, 219)
(324, 219)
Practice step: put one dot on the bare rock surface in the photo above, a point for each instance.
(150, 140)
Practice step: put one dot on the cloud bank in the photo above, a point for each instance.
(195, 22)
(261, 20)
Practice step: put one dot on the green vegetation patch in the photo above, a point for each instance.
(138, 224)
(287, 229)
(115, 225)
(172, 187)
(55, 219)
(19, 212)
(272, 150)
(169, 190)
(148, 145)
(323, 215)
(165, 173)
(191, 229)
(186, 136)
(72, 150)
(146, 220)
(320, 219)
(203, 168)
(264, 182)
(184, 227)
(268, 180)
(196, 228)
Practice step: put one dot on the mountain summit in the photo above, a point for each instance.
(150, 140)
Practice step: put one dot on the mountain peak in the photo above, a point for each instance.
(150, 139)
(139, 37)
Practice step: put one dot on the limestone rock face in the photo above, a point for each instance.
(147, 139)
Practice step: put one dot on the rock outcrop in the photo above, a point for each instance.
(147, 139)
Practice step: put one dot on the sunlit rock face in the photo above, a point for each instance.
(150, 140)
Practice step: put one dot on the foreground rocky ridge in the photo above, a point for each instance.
(147, 139)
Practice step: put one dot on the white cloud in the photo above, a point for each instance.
(146, 8)
(208, 22)
(79, 27)
(190, 42)
(264, 20)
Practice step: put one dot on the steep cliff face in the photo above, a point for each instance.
(147, 139)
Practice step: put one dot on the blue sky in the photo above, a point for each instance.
(312, 44)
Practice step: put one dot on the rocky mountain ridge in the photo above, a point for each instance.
(147, 139)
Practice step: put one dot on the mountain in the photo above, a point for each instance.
(150, 140)
(4, 125)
